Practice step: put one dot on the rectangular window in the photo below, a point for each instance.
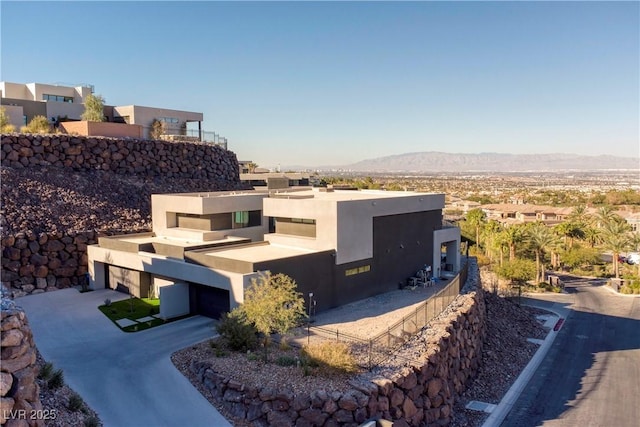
(357, 270)
(242, 219)
(303, 221)
(57, 98)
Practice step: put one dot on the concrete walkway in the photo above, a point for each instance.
(127, 378)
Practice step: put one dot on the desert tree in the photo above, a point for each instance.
(157, 129)
(93, 108)
(273, 305)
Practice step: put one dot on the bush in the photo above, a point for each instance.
(56, 380)
(239, 334)
(75, 402)
(5, 126)
(334, 356)
(107, 302)
(630, 286)
(286, 361)
(46, 371)
(39, 124)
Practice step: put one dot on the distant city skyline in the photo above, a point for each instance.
(334, 83)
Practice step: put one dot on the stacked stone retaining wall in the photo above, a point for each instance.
(121, 156)
(444, 357)
(20, 400)
(35, 263)
(40, 259)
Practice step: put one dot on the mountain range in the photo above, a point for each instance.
(433, 161)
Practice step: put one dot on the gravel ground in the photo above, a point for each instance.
(50, 199)
(55, 404)
(506, 351)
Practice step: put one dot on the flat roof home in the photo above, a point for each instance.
(23, 102)
(340, 246)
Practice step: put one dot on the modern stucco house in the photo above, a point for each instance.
(23, 102)
(339, 245)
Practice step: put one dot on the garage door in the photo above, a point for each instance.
(209, 301)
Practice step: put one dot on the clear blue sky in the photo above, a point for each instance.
(334, 83)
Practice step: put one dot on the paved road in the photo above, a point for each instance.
(591, 375)
(127, 378)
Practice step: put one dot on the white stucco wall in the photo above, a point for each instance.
(16, 91)
(343, 224)
(169, 268)
(144, 116)
(451, 237)
(15, 114)
(174, 298)
(165, 206)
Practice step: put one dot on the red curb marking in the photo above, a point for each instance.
(558, 324)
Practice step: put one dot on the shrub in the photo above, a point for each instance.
(39, 124)
(56, 380)
(5, 126)
(46, 371)
(107, 302)
(75, 402)
(334, 356)
(239, 334)
(286, 361)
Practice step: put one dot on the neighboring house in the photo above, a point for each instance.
(463, 205)
(25, 101)
(340, 246)
(631, 218)
(274, 180)
(508, 213)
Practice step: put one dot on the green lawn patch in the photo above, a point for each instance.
(133, 308)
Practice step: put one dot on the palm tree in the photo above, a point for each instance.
(541, 238)
(617, 239)
(570, 230)
(579, 215)
(476, 217)
(592, 235)
(604, 215)
(514, 235)
(490, 233)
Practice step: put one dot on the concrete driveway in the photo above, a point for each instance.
(127, 378)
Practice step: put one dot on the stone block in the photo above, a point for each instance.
(6, 381)
(11, 338)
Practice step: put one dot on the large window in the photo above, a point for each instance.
(57, 98)
(303, 227)
(242, 219)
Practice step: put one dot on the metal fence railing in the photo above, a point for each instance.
(372, 351)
